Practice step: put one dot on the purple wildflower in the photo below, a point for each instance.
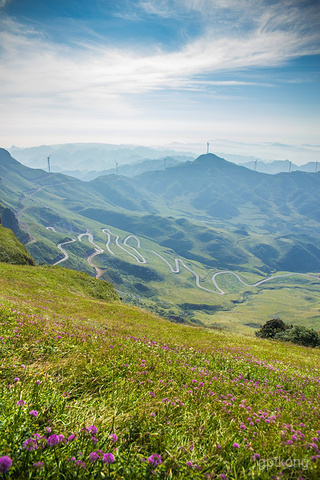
(80, 464)
(154, 460)
(30, 444)
(223, 477)
(93, 457)
(71, 438)
(92, 429)
(38, 465)
(33, 413)
(113, 437)
(17, 379)
(20, 403)
(189, 464)
(53, 440)
(5, 464)
(235, 445)
(108, 458)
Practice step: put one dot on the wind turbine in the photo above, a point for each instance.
(48, 160)
(164, 163)
(255, 165)
(290, 167)
(316, 169)
(117, 167)
(208, 144)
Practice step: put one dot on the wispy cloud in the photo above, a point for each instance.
(3, 3)
(50, 69)
(101, 79)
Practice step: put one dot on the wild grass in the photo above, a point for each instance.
(93, 388)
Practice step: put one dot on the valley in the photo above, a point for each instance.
(204, 242)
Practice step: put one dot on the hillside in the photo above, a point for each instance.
(93, 388)
(165, 241)
(11, 250)
(228, 192)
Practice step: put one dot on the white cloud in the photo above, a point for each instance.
(39, 77)
(34, 67)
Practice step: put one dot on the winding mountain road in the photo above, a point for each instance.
(177, 261)
(98, 251)
(66, 255)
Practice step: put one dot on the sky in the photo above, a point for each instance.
(158, 72)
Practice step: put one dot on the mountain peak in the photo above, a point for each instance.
(209, 160)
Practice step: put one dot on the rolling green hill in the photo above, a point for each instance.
(229, 192)
(183, 225)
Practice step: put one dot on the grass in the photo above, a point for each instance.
(163, 400)
(11, 250)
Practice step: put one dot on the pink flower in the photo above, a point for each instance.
(5, 464)
(53, 440)
(108, 458)
(30, 444)
(154, 460)
(33, 413)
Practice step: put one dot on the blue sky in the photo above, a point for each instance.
(153, 72)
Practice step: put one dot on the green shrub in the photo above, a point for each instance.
(271, 328)
(301, 336)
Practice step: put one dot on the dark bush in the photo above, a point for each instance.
(271, 328)
(301, 336)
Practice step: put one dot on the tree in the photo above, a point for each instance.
(271, 328)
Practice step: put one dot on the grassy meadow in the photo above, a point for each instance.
(94, 388)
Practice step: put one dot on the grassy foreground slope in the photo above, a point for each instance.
(93, 388)
(11, 250)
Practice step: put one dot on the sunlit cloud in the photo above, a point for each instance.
(103, 81)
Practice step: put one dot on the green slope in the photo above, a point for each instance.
(159, 209)
(11, 250)
(109, 378)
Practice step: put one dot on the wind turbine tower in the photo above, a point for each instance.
(290, 167)
(316, 169)
(48, 160)
(255, 165)
(164, 163)
(117, 167)
(208, 144)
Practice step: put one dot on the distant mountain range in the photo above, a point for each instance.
(90, 156)
(89, 161)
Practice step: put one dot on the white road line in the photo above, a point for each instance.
(143, 260)
(177, 270)
(66, 255)
(98, 251)
(108, 233)
(129, 253)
